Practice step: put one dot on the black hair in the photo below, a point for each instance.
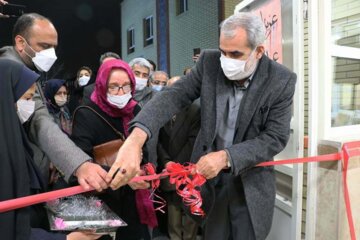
(152, 63)
(83, 68)
(24, 23)
(107, 55)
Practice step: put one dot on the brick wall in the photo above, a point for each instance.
(132, 14)
(229, 6)
(197, 27)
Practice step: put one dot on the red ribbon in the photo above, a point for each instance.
(21, 202)
(188, 182)
(349, 150)
(149, 169)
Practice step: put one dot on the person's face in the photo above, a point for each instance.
(159, 79)
(84, 72)
(29, 94)
(119, 83)
(42, 35)
(237, 48)
(141, 72)
(62, 92)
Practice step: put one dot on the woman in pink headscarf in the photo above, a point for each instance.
(112, 99)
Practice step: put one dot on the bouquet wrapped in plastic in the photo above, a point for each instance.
(82, 213)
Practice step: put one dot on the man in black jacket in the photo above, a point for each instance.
(176, 142)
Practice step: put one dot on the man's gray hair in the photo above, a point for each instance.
(151, 77)
(142, 62)
(251, 23)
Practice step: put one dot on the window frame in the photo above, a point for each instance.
(148, 34)
(328, 51)
(130, 36)
(185, 5)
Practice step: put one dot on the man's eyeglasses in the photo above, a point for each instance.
(116, 89)
(158, 82)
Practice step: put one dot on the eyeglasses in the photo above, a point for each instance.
(116, 89)
(158, 82)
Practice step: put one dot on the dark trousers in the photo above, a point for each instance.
(230, 218)
(180, 225)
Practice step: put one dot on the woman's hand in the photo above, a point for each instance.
(127, 163)
(139, 184)
(83, 236)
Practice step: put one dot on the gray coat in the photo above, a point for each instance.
(46, 137)
(144, 96)
(262, 129)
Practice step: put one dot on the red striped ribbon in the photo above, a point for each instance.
(349, 150)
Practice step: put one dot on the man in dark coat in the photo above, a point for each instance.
(35, 39)
(176, 142)
(246, 101)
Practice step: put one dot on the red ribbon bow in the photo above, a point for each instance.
(187, 182)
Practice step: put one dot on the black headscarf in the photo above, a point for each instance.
(51, 88)
(15, 158)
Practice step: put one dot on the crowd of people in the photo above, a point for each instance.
(226, 114)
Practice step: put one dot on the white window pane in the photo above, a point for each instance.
(345, 29)
(345, 99)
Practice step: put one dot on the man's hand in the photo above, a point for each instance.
(196, 58)
(127, 163)
(2, 2)
(91, 175)
(212, 163)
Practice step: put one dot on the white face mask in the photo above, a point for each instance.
(234, 69)
(44, 59)
(60, 100)
(119, 101)
(25, 108)
(140, 83)
(83, 80)
(157, 88)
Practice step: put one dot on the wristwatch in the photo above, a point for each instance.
(228, 162)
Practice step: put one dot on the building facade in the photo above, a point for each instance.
(138, 29)
(176, 28)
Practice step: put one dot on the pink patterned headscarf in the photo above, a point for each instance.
(99, 96)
